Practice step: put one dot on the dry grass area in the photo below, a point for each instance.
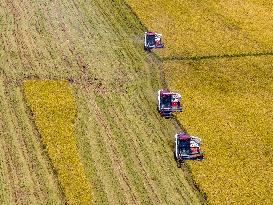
(123, 143)
(228, 103)
(209, 27)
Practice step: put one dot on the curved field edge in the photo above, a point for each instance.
(97, 47)
(54, 111)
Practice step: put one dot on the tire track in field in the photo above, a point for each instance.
(101, 157)
(152, 165)
(175, 177)
(21, 42)
(97, 164)
(113, 154)
(18, 35)
(24, 152)
(149, 186)
(32, 162)
(37, 160)
(7, 33)
(29, 182)
(18, 176)
(7, 187)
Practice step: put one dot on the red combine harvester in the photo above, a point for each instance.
(152, 40)
(187, 147)
(168, 102)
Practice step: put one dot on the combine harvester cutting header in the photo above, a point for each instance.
(152, 40)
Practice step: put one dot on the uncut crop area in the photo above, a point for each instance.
(194, 28)
(54, 110)
(218, 55)
(124, 146)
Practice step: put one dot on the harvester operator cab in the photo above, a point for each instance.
(187, 147)
(183, 147)
(168, 102)
(152, 40)
(175, 103)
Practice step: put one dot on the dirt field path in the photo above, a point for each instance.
(125, 146)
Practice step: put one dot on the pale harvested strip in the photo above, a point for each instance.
(27, 179)
(101, 174)
(46, 184)
(5, 188)
(112, 153)
(157, 141)
(153, 142)
(228, 103)
(54, 113)
(22, 186)
(146, 150)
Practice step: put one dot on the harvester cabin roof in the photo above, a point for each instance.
(165, 92)
(183, 136)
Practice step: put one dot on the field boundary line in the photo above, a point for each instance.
(211, 57)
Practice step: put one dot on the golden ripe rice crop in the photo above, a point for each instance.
(228, 103)
(227, 98)
(192, 28)
(54, 111)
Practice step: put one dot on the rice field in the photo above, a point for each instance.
(221, 51)
(218, 55)
(205, 28)
(228, 103)
(124, 146)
